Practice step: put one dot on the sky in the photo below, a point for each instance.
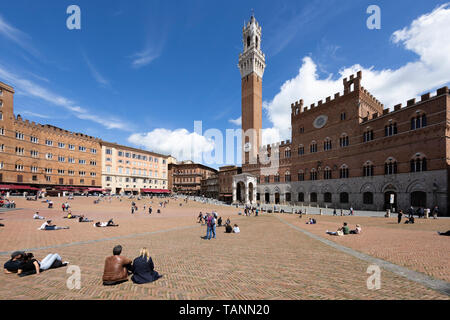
(141, 73)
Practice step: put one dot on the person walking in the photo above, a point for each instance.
(399, 216)
(213, 226)
(150, 209)
(435, 212)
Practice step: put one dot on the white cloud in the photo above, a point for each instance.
(20, 38)
(237, 121)
(29, 88)
(180, 143)
(95, 74)
(145, 57)
(426, 36)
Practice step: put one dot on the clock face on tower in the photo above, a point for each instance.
(247, 147)
(320, 121)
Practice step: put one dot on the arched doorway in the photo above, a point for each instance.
(390, 200)
(419, 199)
(240, 192)
(277, 198)
(267, 197)
(250, 192)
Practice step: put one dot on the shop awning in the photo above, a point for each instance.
(95, 190)
(16, 187)
(155, 191)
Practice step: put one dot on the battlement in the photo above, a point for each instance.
(409, 103)
(355, 80)
(369, 96)
(51, 129)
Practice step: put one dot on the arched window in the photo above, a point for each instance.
(368, 135)
(276, 177)
(287, 176)
(327, 173)
(343, 197)
(287, 153)
(257, 43)
(313, 174)
(418, 163)
(313, 197)
(327, 197)
(301, 175)
(390, 166)
(419, 120)
(248, 41)
(368, 169)
(343, 171)
(367, 198)
(343, 140)
(390, 129)
(301, 197)
(313, 147)
(301, 150)
(327, 144)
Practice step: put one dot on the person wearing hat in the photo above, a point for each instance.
(12, 265)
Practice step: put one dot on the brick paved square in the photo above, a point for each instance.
(269, 259)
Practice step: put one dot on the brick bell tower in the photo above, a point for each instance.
(252, 65)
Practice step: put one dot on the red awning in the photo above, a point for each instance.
(155, 191)
(16, 187)
(95, 189)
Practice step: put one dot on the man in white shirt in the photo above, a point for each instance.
(236, 229)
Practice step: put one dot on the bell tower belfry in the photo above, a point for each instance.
(251, 65)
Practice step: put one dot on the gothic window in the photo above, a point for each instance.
(368, 135)
(418, 163)
(287, 176)
(418, 121)
(368, 169)
(313, 147)
(343, 140)
(301, 175)
(327, 173)
(327, 144)
(343, 172)
(390, 129)
(390, 166)
(301, 150)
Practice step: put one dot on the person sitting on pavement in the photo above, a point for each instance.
(228, 222)
(13, 264)
(228, 228)
(144, 269)
(311, 221)
(110, 223)
(344, 230)
(219, 221)
(49, 226)
(357, 230)
(70, 215)
(36, 216)
(83, 219)
(410, 220)
(236, 229)
(444, 233)
(117, 268)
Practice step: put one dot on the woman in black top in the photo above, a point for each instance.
(143, 268)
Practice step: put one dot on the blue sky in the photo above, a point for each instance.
(140, 71)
